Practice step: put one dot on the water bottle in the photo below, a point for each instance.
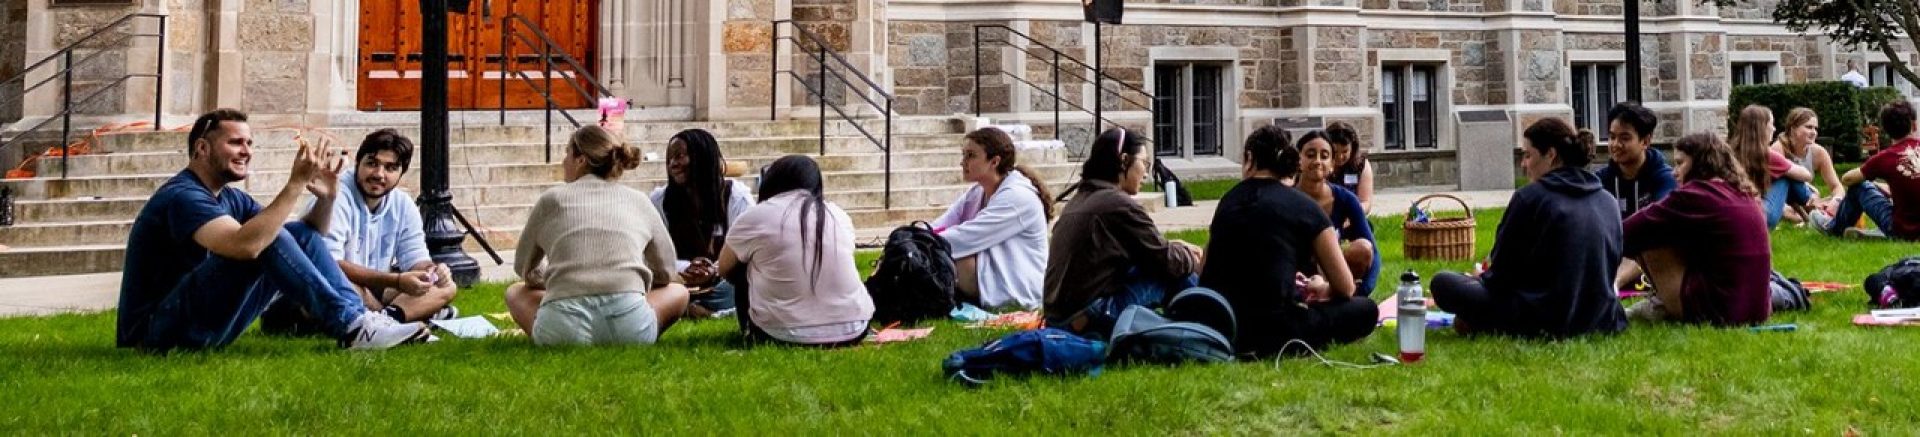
(1172, 190)
(1412, 318)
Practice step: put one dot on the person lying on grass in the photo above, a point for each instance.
(700, 205)
(791, 259)
(608, 275)
(203, 259)
(1555, 253)
(1106, 253)
(1313, 155)
(1897, 210)
(1704, 247)
(1264, 234)
(377, 238)
(998, 227)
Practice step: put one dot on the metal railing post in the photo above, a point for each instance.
(886, 199)
(1056, 96)
(506, 58)
(159, 73)
(773, 73)
(823, 101)
(546, 76)
(976, 71)
(66, 112)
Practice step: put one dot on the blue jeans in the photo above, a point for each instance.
(1864, 198)
(1137, 289)
(1785, 192)
(214, 304)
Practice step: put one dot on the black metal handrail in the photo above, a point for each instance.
(65, 74)
(1153, 114)
(821, 56)
(546, 49)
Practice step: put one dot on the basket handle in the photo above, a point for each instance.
(1456, 199)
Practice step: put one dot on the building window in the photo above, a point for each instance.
(1883, 74)
(1752, 73)
(1409, 95)
(1595, 89)
(1188, 107)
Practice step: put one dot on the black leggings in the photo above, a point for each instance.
(1337, 321)
(1464, 296)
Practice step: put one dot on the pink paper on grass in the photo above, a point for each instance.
(894, 335)
(1870, 320)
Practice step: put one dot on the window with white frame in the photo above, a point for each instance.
(1883, 74)
(1753, 73)
(1189, 104)
(1409, 103)
(1595, 89)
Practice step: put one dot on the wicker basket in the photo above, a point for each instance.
(1440, 238)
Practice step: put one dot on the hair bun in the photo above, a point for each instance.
(627, 157)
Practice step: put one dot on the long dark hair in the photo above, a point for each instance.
(1107, 159)
(693, 209)
(798, 172)
(1340, 134)
(1709, 158)
(995, 143)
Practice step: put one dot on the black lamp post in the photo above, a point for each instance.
(445, 236)
(1633, 50)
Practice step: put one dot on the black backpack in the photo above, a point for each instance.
(914, 280)
(1789, 294)
(1904, 277)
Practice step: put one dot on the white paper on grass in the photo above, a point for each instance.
(468, 327)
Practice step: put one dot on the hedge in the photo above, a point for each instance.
(1844, 109)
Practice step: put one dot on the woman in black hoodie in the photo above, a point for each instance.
(1555, 254)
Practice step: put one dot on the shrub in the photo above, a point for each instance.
(1844, 109)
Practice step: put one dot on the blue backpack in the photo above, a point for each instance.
(1046, 351)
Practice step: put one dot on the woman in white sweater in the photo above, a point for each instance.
(608, 275)
(998, 228)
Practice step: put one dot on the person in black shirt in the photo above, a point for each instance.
(1262, 234)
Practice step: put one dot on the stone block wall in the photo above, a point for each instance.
(98, 61)
(1476, 61)
(1541, 59)
(275, 39)
(746, 41)
(1415, 169)
(1340, 77)
(1660, 66)
(1435, 5)
(1750, 10)
(1708, 65)
(1067, 37)
(13, 57)
(1799, 56)
(187, 55)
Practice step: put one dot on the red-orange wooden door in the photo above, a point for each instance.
(477, 66)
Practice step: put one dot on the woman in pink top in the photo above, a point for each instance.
(790, 258)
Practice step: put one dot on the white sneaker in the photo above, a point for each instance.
(375, 331)
(1820, 220)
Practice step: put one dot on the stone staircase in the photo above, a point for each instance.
(80, 224)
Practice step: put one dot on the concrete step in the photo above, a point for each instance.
(921, 152)
(164, 141)
(76, 210)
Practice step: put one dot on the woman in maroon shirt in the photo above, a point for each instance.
(1705, 246)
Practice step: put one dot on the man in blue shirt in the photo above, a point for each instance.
(379, 242)
(1636, 174)
(204, 259)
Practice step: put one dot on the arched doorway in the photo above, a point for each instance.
(477, 65)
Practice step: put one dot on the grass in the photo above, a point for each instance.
(1208, 189)
(61, 376)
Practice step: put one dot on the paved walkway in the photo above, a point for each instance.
(49, 295)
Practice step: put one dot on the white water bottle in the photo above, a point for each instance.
(1172, 190)
(1412, 318)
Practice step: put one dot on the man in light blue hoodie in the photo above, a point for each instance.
(379, 241)
(1636, 174)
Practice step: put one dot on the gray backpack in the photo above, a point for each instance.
(1204, 335)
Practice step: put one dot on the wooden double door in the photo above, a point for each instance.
(478, 64)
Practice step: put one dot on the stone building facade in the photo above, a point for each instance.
(1400, 70)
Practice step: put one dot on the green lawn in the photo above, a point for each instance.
(61, 376)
